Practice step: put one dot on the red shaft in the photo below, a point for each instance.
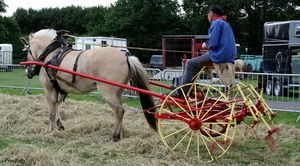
(98, 79)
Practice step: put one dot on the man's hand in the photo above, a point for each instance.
(204, 45)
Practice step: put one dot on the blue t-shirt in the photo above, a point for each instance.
(221, 42)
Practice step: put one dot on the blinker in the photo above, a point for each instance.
(23, 54)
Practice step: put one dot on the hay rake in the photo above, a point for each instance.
(205, 120)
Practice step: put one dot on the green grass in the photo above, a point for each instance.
(17, 78)
(3, 144)
(288, 118)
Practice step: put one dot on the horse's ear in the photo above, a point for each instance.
(24, 41)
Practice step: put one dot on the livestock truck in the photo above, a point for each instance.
(281, 56)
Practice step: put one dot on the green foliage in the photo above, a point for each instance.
(70, 18)
(10, 33)
(246, 17)
(2, 7)
(143, 23)
(95, 19)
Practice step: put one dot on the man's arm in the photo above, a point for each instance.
(214, 35)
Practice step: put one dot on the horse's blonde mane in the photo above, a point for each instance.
(48, 32)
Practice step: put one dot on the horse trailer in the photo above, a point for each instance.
(281, 55)
(85, 43)
(176, 46)
(6, 57)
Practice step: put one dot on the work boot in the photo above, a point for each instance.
(173, 87)
(176, 94)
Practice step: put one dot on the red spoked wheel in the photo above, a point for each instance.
(200, 124)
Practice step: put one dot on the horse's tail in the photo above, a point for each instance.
(140, 80)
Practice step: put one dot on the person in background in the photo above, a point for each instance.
(221, 45)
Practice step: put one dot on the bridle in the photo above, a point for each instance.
(25, 51)
(30, 70)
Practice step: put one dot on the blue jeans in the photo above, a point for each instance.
(192, 67)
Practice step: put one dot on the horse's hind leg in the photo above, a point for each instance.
(117, 130)
(119, 113)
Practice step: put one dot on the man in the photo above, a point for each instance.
(221, 45)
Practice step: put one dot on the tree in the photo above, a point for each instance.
(196, 14)
(95, 19)
(2, 7)
(72, 19)
(259, 12)
(10, 32)
(76, 19)
(142, 22)
(246, 17)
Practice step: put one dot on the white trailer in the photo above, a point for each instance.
(6, 57)
(85, 43)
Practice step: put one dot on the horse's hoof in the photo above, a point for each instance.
(115, 138)
(60, 128)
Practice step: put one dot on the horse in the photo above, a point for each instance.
(242, 66)
(50, 46)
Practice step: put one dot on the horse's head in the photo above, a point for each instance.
(34, 48)
(26, 53)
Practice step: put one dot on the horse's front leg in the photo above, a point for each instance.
(58, 120)
(53, 102)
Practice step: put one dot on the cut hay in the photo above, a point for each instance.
(25, 137)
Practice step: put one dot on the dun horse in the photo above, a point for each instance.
(49, 46)
(240, 65)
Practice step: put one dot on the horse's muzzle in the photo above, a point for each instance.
(30, 71)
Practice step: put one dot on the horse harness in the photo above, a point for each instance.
(56, 60)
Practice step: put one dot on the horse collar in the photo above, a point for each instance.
(52, 46)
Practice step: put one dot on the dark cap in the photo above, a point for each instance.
(216, 9)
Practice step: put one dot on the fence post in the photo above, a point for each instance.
(26, 89)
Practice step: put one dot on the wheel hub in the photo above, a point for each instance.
(195, 124)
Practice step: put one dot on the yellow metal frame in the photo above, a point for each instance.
(177, 135)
